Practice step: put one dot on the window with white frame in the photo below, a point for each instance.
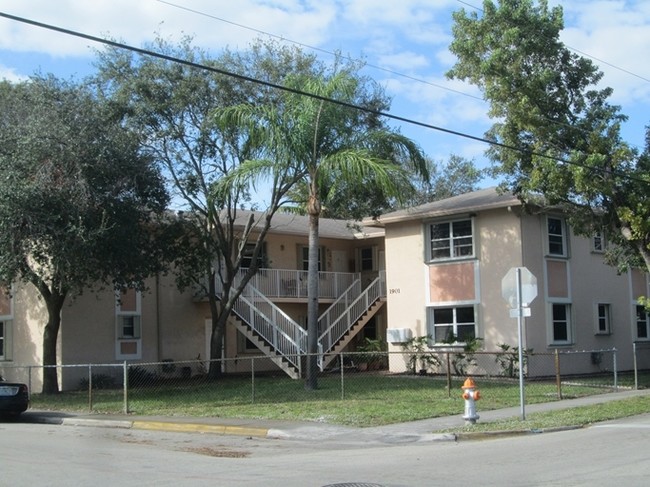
(598, 242)
(6, 322)
(3, 340)
(642, 323)
(561, 324)
(128, 314)
(604, 319)
(450, 240)
(556, 233)
(451, 324)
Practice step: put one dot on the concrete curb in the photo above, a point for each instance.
(220, 429)
(488, 435)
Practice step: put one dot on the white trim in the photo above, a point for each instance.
(565, 237)
(135, 340)
(596, 320)
(570, 325)
(452, 258)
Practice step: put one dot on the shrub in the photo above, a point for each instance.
(508, 360)
(139, 376)
(100, 381)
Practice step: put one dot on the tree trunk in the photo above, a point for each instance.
(219, 319)
(311, 382)
(54, 304)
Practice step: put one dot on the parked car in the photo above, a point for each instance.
(14, 398)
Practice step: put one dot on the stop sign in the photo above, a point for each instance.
(515, 277)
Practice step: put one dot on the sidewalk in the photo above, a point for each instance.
(422, 430)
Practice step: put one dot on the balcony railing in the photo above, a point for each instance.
(285, 283)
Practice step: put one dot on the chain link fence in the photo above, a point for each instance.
(177, 387)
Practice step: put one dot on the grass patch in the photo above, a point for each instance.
(572, 417)
(361, 400)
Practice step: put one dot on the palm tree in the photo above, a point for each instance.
(325, 145)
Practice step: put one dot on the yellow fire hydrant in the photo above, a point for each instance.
(471, 394)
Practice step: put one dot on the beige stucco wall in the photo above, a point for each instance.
(505, 239)
(499, 250)
(29, 318)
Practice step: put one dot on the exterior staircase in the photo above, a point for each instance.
(284, 341)
(280, 338)
(348, 315)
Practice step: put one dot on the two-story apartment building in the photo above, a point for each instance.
(434, 270)
(163, 324)
(445, 262)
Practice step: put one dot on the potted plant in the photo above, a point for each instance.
(420, 357)
(372, 354)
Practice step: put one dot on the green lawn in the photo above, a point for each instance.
(364, 399)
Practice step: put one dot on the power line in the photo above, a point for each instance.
(582, 53)
(165, 57)
(318, 49)
(380, 68)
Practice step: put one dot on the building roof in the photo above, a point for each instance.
(292, 224)
(481, 200)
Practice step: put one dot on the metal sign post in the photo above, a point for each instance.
(520, 326)
(519, 288)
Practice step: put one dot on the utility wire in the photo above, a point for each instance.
(319, 49)
(149, 53)
(582, 53)
(380, 68)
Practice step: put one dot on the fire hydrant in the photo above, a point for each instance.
(471, 394)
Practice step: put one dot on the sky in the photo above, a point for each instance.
(403, 43)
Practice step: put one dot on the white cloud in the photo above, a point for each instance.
(404, 61)
(10, 74)
(136, 22)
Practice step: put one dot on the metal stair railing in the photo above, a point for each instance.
(274, 326)
(337, 320)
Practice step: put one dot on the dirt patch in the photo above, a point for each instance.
(218, 452)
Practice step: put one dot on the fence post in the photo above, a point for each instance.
(252, 380)
(636, 370)
(90, 388)
(126, 387)
(341, 359)
(615, 370)
(448, 375)
(558, 377)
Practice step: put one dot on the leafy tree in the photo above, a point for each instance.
(354, 200)
(175, 107)
(80, 206)
(456, 176)
(326, 146)
(548, 106)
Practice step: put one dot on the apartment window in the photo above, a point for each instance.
(128, 322)
(452, 324)
(561, 324)
(451, 240)
(6, 342)
(366, 259)
(603, 325)
(304, 255)
(247, 256)
(3, 340)
(6, 321)
(642, 322)
(556, 236)
(598, 243)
